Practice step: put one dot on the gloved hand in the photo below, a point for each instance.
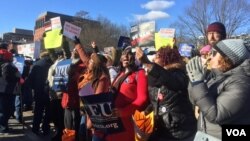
(195, 70)
(77, 40)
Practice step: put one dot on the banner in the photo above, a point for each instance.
(60, 78)
(162, 41)
(185, 50)
(99, 108)
(70, 30)
(18, 61)
(143, 34)
(53, 39)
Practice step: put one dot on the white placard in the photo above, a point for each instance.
(167, 32)
(56, 23)
(32, 50)
(70, 30)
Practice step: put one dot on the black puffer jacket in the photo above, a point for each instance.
(175, 118)
(224, 99)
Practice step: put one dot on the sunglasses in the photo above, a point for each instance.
(213, 52)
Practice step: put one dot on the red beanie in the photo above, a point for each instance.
(217, 27)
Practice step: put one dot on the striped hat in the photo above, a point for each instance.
(234, 49)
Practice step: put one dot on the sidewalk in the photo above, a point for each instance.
(22, 132)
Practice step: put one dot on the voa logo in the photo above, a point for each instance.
(236, 132)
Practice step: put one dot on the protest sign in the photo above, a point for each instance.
(56, 23)
(185, 50)
(99, 108)
(162, 41)
(167, 32)
(70, 30)
(60, 78)
(18, 61)
(53, 39)
(32, 49)
(143, 34)
(123, 42)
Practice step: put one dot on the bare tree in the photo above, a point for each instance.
(82, 14)
(182, 35)
(234, 14)
(102, 31)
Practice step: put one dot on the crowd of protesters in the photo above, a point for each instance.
(209, 90)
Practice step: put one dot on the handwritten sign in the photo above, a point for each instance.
(71, 30)
(56, 23)
(167, 32)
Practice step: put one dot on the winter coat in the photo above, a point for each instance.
(224, 99)
(174, 115)
(132, 95)
(9, 79)
(38, 76)
(70, 98)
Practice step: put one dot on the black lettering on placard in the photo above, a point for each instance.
(236, 132)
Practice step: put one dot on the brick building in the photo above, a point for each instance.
(43, 21)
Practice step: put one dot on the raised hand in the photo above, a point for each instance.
(77, 40)
(93, 44)
(140, 56)
(195, 70)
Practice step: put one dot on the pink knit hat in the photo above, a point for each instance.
(205, 50)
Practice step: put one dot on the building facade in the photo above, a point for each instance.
(43, 22)
(18, 36)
